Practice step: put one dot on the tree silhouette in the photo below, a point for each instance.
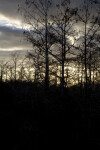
(36, 16)
(63, 23)
(88, 18)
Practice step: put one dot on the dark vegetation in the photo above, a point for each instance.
(32, 118)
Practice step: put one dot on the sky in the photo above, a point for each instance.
(11, 27)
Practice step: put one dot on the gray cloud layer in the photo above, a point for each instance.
(9, 8)
(11, 37)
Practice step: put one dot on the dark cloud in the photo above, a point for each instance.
(11, 38)
(9, 8)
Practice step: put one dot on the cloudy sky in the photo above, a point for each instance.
(11, 27)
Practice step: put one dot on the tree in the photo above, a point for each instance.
(88, 18)
(36, 14)
(63, 23)
(15, 58)
(38, 66)
(2, 67)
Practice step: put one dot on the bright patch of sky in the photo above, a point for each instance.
(5, 21)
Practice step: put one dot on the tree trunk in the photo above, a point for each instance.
(46, 55)
(85, 59)
(15, 71)
(63, 57)
(90, 69)
(62, 65)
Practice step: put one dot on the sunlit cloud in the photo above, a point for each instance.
(71, 40)
(5, 21)
(16, 48)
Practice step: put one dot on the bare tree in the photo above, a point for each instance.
(2, 66)
(15, 59)
(63, 23)
(88, 19)
(36, 14)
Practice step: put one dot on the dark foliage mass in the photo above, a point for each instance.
(32, 118)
